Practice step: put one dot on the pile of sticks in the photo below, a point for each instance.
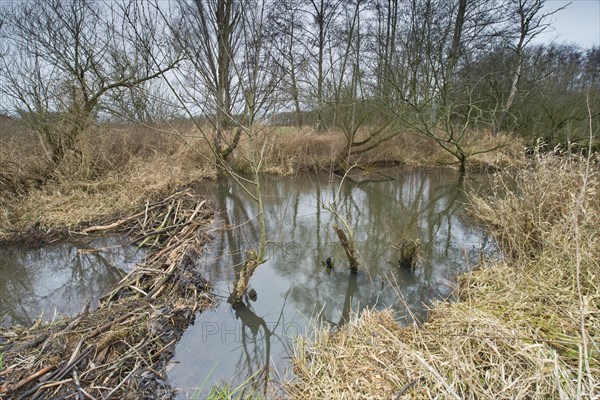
(120, 350)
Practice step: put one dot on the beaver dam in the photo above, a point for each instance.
(119, 350)
(161, 330)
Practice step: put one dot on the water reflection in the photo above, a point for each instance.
(59, 279)
(294, 285)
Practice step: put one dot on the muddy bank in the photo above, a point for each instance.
(120, 350)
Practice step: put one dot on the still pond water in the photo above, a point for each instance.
(293, 288)
(59, 279)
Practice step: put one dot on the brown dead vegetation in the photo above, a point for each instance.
(123, 165)
(120, 168)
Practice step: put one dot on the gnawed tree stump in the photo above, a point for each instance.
(348, 248)
(252, 262)
(408, 253)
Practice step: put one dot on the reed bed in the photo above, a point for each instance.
(118, 166)
(121, 349)
(526, 327)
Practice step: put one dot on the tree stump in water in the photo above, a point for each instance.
(408, 251)
(328, 264)
(250, 265)
(348, 248)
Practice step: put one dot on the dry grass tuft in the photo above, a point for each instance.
(509, 153)
(288, 149)
(67, 203)
(304, 148)
(526, 328)
(526, 210)
(23, 167)
(120, 168)
(458, 354)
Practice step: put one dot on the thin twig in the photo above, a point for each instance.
(438, 377)
(108, 396)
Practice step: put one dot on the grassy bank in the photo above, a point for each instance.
(524, 328)
(120, 167)
(124, 165)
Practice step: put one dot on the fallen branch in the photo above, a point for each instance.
(25, 381)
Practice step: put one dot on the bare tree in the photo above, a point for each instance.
(253, 64)
(550, 103)
(65, 58)
(258, 75)
(447, 35)
(386, 30)
(531, 22)
(287, 27)
(322, 15)
(209, 33)
(360, 115)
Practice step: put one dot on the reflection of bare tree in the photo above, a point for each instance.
(59, 278)
(13, 291)
(234, 212)
(256, 343)
(419, 204)
(412, 202)
(346, 309)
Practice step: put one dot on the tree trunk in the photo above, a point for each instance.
(462, 168)
(241, 286)
(223, 84)
(348, 248)
(454, 53)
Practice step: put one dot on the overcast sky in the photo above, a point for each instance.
(578, 23)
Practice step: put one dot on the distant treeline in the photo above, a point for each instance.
(370, 68)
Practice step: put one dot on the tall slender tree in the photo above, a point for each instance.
(209, 34)
(530, 22)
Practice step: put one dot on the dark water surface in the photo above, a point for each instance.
(59, 279)
(293, 287)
